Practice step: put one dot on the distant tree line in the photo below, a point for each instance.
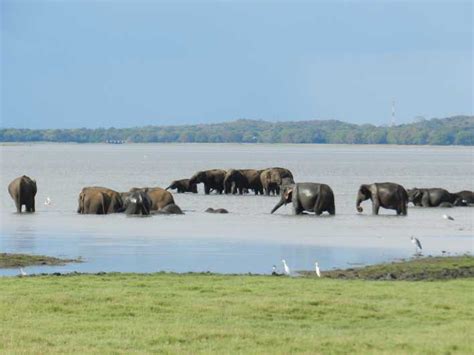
(457, 130)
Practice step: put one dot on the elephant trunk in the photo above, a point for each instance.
(169, 187)
(360, 198)
(278, 205)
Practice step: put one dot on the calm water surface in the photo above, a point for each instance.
(248, 239)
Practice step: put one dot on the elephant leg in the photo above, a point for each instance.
(18, 205)
(32, 206)
(207, 189)
(375, 207)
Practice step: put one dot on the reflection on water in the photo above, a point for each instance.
(248, 239)
(186, 255)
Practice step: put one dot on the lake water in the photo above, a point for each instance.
(248, 239)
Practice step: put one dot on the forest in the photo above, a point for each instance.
(457, 130)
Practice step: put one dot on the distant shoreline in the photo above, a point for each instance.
(458, 130)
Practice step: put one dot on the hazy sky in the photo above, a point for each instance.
(132, 63)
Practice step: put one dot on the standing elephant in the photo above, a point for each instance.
(23, 191)
(386, 194)
(464, 198)
(99, 200)
(235, 181)
(432, 197)
(159, 197)
(182, 186)
(308, 196)
(212, 179)
(137, 203)
(273, 179)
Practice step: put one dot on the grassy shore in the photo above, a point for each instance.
(22, 260)
(122, 313)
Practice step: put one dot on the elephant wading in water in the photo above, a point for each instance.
(212, 179)
(464, 198)
(431, 197)
(23, 191)
(241, 180)
(159, 197)
(137, 203)
(182, 186)
(99, 200)
(308, 196)
(273, 179)
(387, 195)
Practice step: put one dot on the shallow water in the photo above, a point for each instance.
(248, 239)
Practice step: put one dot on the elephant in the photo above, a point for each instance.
(159, 197)
(385, 194)
(243, 180)
(99, 200)
(137, 203)
(216, 210)
(182, 186)
(170, 209)
(273, 179)
(23, 191)
(464, 198)
(308, 196)
(212, 179)
(430, 197)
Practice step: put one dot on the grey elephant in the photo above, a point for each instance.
(273, 179)
(159, 197)
(137, 203)
(464, 198)
(242, 180)
(308, 196)
(216, 210)
(182, 186)
(99, 200)
(23, 191)
(430, 197)
(386, 194)
(212, 179)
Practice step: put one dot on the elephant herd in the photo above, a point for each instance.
(305, 197)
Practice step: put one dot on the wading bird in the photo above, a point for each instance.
(445, 216)
(316, 268)
(23, 272)
(417, 244)
(285, 267)
(48, 201)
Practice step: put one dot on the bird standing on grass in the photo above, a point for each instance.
(286, 269)
(417, 244)
(316, 268)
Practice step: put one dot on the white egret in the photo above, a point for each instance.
(417, 243)
(23, 272)
(286, 268)
(445, 216)
(316, 268)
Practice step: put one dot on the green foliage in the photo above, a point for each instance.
(457, 130)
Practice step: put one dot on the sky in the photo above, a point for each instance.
(134, 63)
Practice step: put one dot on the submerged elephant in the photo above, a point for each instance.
(99, 200)
(159, 197)
(464, 198)
(170, 209)
(212, 180)
(23, 191)
(182, 186)
(216, 210)
(137, 203)
(308, 196)
(274, 179)
(430, 197)
(387, 195)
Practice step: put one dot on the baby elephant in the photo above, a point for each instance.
(308, 196)
(137, 203)
(182, 186)
(170, 209)
(217, 210)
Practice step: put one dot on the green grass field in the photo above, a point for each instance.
(123, 313)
